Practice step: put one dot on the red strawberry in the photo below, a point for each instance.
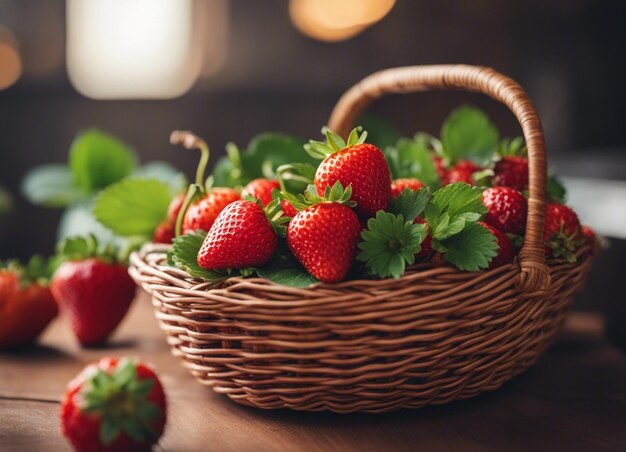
(164, 233)
(261, 189)
(561, 231)
(288, 209)
(359, 165)
(511, 171)
(114, 405)
(399, 185)
(324, 239)
(427, 248)
(202, 213)
(26, 306)
(93, 291)
(174, 208)
(442, 171)
(506, 253)
(506, 209)
(241, 236)
(588, 234)
(462, 172)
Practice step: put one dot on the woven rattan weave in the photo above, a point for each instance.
(432, 336)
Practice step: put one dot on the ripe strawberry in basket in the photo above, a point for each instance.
(357, 164)
(506, 209)
(506, 252)
(114, 405)
(202, 204)
(511, 171)
(462, 172)
(166, 231)
(92, 288)
(261, 189)
(26, 304)
(324, 234)
(243, 235)
(561, 232)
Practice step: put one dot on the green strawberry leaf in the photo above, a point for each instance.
(413, 159)
(51, 186)
(410, 203)
(389, 244)
(184, 255)
(556, 190)
(164, 172)
(472, 249)
(98, 159)
(468, 133)
(133, 207)
(292, 277)
(460, 201)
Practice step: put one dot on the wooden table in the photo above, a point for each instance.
(573, 399)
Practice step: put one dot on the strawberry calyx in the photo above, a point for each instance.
(121, 400)
(310, 197)
(273, 212)
(81, 248)
(37, 270)
(334, 143)
(564, 246)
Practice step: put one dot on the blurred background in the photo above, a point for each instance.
(230, 69)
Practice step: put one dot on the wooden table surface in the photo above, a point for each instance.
(573, 399)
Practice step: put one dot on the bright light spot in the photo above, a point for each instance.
(130, 49)
(10, 61)
(337, 20)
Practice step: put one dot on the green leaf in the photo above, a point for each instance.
(410, 203)
(470, 250)
(292, 277)
(456, 199)
(164, 172)
(98, 159)
(184, 255)
(556, 190)
(468, 133)
(109, 429)
(125, 372)
(133, 207)
(389, 244)
(51, 186)
(148, 412)
(413, 159)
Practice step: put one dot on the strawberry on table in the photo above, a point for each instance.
(324, 234)
(92, 288)
(506, 209)
(242, 236)
(114, 405)
(357, 164)
(399, 185)
(26, 304)
(261, 189)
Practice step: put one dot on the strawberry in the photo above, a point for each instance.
(174, 208)
(462, 172)
(93, 290)
(202, 204)
(290, 211)
(261, 189)
(506, 252)
(26, 304)
(506, 209)
(561, 232)
(511, 171)
(114, 405)
(324, 235)
(398, 185)
(426, 246)
(164, 233)
(357, 164)
(588, 234)
(242, 236)
(203, 212)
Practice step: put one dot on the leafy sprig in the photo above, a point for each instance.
(334, 143)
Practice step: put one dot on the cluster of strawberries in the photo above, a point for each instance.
(326, 226)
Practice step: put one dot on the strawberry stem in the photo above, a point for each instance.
(194, 189)
(190, 141)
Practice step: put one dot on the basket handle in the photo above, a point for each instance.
(534, 274)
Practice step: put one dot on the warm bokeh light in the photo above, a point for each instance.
(336, 20)
(131, 49)
(10, 60)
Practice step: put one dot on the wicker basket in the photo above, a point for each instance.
(434, 335)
